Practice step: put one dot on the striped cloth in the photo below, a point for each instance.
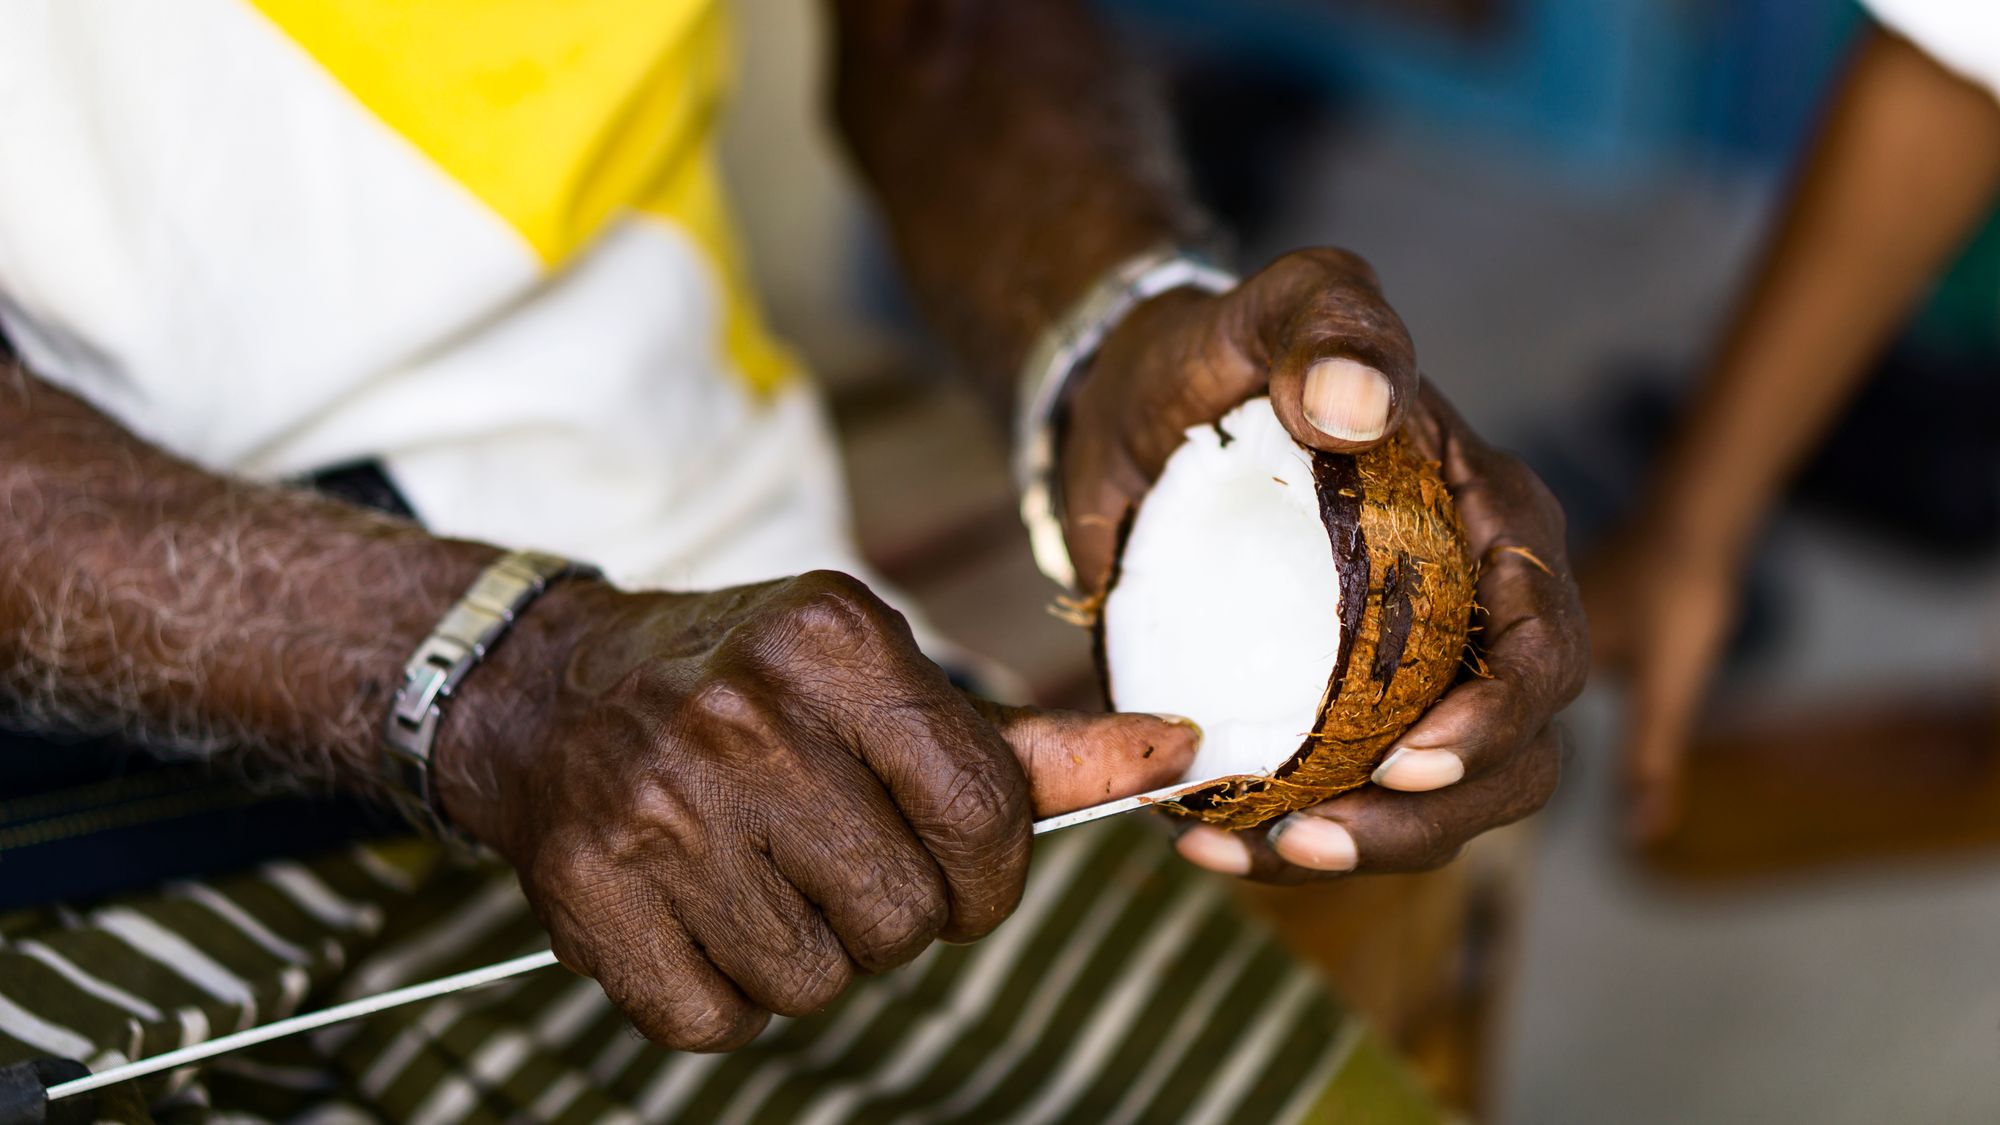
(1127, 988)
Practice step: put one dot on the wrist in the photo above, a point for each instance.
(1124, 391)
(499, 717)
(319, 707)
(1051, 382)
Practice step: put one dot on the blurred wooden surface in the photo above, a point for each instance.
(1915, 775)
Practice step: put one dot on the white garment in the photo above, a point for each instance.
(1964, 35)
(479, 240)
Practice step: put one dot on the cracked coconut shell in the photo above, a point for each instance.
(1303, 608)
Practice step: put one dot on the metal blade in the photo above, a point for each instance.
(278, 1029)
(1113, 808)
(457, 982)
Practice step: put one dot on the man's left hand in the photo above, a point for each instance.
(1314, 331)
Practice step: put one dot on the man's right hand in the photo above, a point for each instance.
(722, 805)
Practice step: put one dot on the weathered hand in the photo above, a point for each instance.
(1315, 330)
(1311, 327)
(722, 805)
(1486, 754)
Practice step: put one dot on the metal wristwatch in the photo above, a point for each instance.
(1067, 346)
(461, 639)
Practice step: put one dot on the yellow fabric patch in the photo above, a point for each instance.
(560, 115)
(555, 113)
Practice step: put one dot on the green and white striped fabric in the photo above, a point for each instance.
(1128, 988)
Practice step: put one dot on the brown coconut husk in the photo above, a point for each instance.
(1406, 612)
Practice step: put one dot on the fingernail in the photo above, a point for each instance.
(1211, 847)
(1347, 399)
(1311, 841)
(1415, 771)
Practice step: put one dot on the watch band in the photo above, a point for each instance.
(462, 638)
(1065, 347)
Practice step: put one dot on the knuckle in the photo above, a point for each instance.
(731, 716)
(1554, 663)
(812, 984)
(1545, 755)
(978, 809)
(1437, 843)
(839, 600)
(681, 1011)
(654, 819)
(718, 1025)
(831, 583)
(899, 921)
(831, 612)
(1336, 264)
(725, 700)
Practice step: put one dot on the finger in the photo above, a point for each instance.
(1532, 638)
(1534, 665)
(1668, 682)
(1212, 848)
(1076, 759)
(869, 876)
(1099, 491)
(1343, 370)
(944, 767)
(1373, 830)
(629, 940)
(962, 792)
(764, 936)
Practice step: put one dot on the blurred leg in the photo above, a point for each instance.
(1425, 957)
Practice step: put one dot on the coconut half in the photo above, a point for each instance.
(1302, 607)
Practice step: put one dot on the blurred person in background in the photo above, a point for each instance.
(268, 266)
(1904, 169)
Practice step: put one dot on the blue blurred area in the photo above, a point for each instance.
(1610, 88)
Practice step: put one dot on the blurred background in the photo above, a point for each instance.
(1560, 197)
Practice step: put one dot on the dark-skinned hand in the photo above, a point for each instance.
(726, 805)
(1314, 331)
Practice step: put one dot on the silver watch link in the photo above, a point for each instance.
(1063, 348)
(462, 638)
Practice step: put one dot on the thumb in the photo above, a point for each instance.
(1343, 370)
(1075, 759)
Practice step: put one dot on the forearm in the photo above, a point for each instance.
(1016, 159)
(1905, 167)
(195, 613)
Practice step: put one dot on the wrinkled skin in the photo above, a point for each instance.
(1185, 359)
(727, 804)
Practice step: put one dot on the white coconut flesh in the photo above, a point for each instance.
(1226, 607)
